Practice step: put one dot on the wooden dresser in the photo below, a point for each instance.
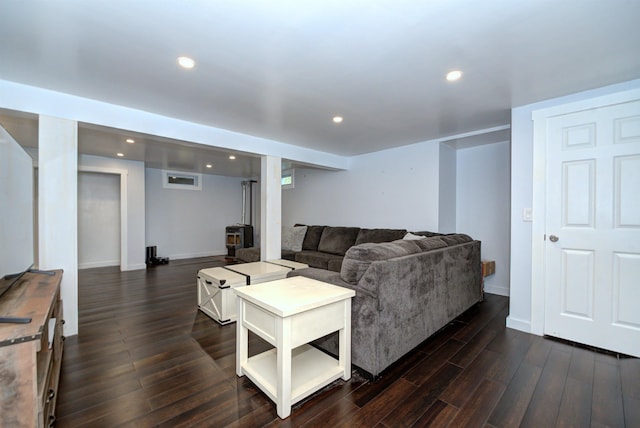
(31, 354)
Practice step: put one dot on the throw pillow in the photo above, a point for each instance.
(410, 236)
(292, 237)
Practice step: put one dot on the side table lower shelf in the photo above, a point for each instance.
(311, 370)
(289, 314)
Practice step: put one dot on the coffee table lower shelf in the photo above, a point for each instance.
(311, 370)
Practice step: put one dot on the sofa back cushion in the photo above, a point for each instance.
(456, 238)
(379, 235)
(358, 258)
(428, 244)
(312, 238)
(337, 240)
(427, 233)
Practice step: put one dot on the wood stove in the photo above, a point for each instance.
(240, 236)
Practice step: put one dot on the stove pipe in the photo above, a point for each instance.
(249, 184)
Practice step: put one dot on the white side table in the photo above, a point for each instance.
(290, 313)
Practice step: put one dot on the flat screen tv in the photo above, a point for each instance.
(16, 212)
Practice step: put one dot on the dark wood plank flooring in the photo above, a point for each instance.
(146, 357)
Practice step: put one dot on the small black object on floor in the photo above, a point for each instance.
(152, 259)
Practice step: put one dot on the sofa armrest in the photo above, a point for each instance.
(450, 273)
(330, 278)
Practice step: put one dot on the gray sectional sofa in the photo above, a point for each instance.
(324, 247)
(406, 290)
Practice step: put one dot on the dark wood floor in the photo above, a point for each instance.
(146, 357)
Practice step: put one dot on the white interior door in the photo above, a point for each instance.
(592, 248)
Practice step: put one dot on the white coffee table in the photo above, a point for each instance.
(215, 295)
(259, 272)
(289, 264)
(290, 313)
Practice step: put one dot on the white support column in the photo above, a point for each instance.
(270, 207)
(58, 208)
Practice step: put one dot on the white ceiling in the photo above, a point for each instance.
(154, 151)
(281, 69)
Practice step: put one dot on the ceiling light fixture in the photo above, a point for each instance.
(120, 154)
(454, 75)
(130, 140)
(232, 157)
(337, 119)
(209, 165)
(186, 62)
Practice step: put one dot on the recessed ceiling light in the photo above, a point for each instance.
(130, 140)
(120, 154)
(454, 75)
(186, 62)
(232, 157)
(209, 165)
(337, 119)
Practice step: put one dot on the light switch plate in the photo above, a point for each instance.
(527, 214)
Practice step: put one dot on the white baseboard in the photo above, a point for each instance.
(104, 263)
(111, 263)
(195, 255)
(136, 267)
(497, 289)
(517, 324)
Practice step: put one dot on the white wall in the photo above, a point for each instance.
(395, 188)
(522, 197)
(447, 189)
(483, 206)
(426, 186)
(135, 202)
(191, 223)
(16, 206)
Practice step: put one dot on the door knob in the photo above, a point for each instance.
(553, 238)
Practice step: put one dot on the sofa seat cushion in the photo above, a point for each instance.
(379, 235)
(358, 259)
(335, 265)
(289, 255)
(252, 254)
(337, 240)
(248, 255)
(316, 259)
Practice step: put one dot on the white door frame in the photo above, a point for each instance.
(124, 256)
(538, 230)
